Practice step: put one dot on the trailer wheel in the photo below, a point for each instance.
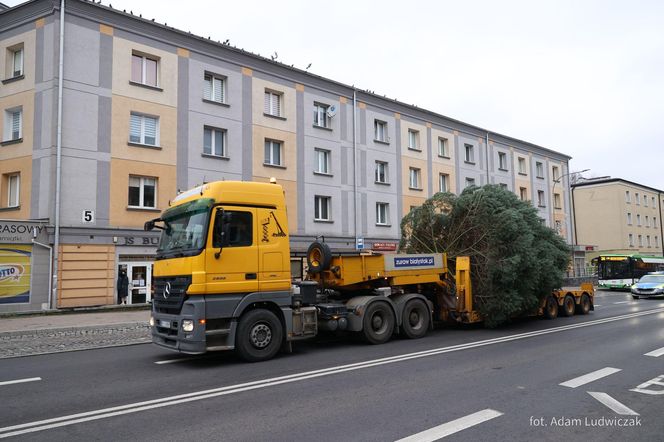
(378, 323)
(319, 257)
(569, 306)
(415, 319)
(551, 308)
(584, 306)
(259, 335)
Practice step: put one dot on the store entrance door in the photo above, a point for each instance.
(140, 282)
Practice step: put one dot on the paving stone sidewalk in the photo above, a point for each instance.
(24, 335)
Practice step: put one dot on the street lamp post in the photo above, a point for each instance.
(553, 191)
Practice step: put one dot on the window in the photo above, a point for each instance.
(470, 153)
(240, 229)
(322, 161)
(645, 201)
(443, 182)
(647, 223)
(502, 161)
(13, 124)
(540, 198)
(144, 129)
(214, 142)
(628, 199)
(413, 139)
(382, 214)
(415, 178)
(556, 201)
(322, 208)
(214, 88)
(653, 202)
(144, 69)
(630, 240)
(523, 193)
(638, 220)
(503, 186)
(13, 181)
(470, 182)
(272, 153)
(640, 240)
(320, 115)
(636, 199)
(656, 241)
(539, 169)
(629, 218)
(15, 61)
(555, 173)
(380, 131)
(142, 192)
(522, 166)
(559, 226)
(648, 241)
(443, 148)
(654, 221)
(273, 103)
(381, 172)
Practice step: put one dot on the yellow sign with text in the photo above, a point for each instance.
(15, 273)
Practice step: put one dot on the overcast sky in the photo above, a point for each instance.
(585, 78)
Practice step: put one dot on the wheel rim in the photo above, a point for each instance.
(378, 323)
(569, 305)
(261, 335)
(415, 319)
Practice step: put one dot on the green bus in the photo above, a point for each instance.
(621, 271)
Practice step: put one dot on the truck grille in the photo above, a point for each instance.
(170, 293)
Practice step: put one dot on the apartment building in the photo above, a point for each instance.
(618, 216)
(149, 110)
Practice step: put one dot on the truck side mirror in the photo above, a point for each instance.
(221, 230)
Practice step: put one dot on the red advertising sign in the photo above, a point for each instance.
(384, 246)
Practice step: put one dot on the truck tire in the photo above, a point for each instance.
(415, 319)
(378, 323)
(319, 257)
(569, 306)
(551, 308)
(584, 305)
(259, 335)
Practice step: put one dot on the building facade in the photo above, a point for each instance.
(148, 110)
(618, 216)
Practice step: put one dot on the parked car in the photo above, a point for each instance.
(649, 285)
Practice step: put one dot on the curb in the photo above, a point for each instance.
(73, 331)
(126, 344)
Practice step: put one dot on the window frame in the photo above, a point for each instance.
(271, 151)
(223, 88)
(327, 155)
(213, 137)
(14, 51)
(414, 140)
(385, 167)
(414, 178)
(270, 98)
(523, 193)
(383, 125)
(322, 202)
(443, 147)
(502, 161)
(469, 182)
(9, 124)
(386, 213)
(142, 134)
(17, 191)
(557, 201)
(523, 167)
(320, 109)
(541, 201)
(141, 192)
(443, 182)
(144, 75)
(539, 170)
(469, 154)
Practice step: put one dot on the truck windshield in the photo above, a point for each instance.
(185, 229)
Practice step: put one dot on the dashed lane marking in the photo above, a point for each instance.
(590, 377)
(172, 361)
(623, 302)
(656, 353)
(452, 427)
(613, 404)
(20, 381)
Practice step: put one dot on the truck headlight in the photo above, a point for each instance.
(151, 321)
(188, 325)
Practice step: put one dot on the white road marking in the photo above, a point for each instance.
(643, 388)
(613, 404)
(172, 361)
(62, 421)
(20, 381)
(452, 427)
(590, 377)
(623, 302)
(598, 305)
(655, 353)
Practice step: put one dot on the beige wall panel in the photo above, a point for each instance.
(26, 100)
(593, 204)
(87, 274)
(120, 148)
(420, 154)
(437, 169)
(289, 147)
(120, 216)
(409, 201)
(449, 136)
(24, 167)
(28, 39)
(290, 193)
(78, 265)
(75, 248)
(76, 285)
(287, 105)
(407, 163)
(167, 73)
(84, 283)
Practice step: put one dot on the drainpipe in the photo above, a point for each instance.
(355, 165)
(58, 160)
(488, 174)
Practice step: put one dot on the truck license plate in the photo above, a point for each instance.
(165, 324)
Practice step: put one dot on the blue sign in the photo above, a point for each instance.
(413, 261)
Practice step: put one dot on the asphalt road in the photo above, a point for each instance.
(468, 383)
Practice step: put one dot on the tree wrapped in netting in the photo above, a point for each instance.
(515, 259)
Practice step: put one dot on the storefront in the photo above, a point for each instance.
(25, 264)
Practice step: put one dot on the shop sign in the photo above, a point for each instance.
(141, 241)
(15, 274)
(20, 232)
(384, 246)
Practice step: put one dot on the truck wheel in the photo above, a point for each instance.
(551, 308)
(319, 257)
(378, 323)
(568, 306)
(584, 306)
(259, 335)
(415, 319)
